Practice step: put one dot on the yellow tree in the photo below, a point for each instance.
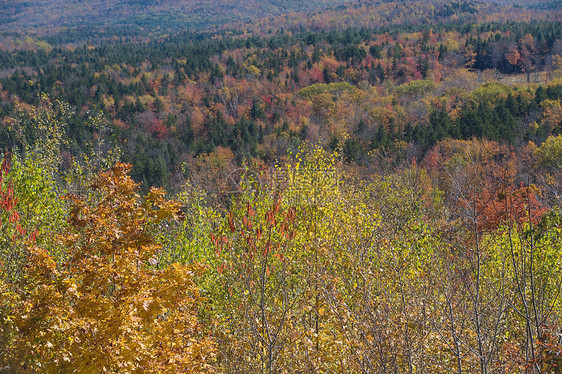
(270, 258)
(109, 307)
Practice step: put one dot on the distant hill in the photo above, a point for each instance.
(76, 21)
(167, 14)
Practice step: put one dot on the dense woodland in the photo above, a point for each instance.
(353, 187)
(138, 16)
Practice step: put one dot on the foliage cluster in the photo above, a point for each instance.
(450, 265)
(394, 91)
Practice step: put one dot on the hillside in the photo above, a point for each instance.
(391, 86)
(165, 14)
(241, 187)
(377, 14)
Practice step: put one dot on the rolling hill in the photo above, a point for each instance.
(167, 14)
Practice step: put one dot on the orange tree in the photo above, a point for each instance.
(109, 306)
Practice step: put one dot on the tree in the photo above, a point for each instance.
(527, 62)
(548, 162)
(109, 306)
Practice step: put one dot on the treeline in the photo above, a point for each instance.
(140, 17)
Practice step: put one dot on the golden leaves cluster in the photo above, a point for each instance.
(110, 306)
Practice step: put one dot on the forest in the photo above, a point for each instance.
(316, 187)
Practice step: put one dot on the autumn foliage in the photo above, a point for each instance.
(371, 188)
(307, 268)
(508, 206)
(109, 306)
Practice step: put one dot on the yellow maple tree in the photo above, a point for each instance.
(110, 306)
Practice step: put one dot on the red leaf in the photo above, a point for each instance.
(230, 222)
